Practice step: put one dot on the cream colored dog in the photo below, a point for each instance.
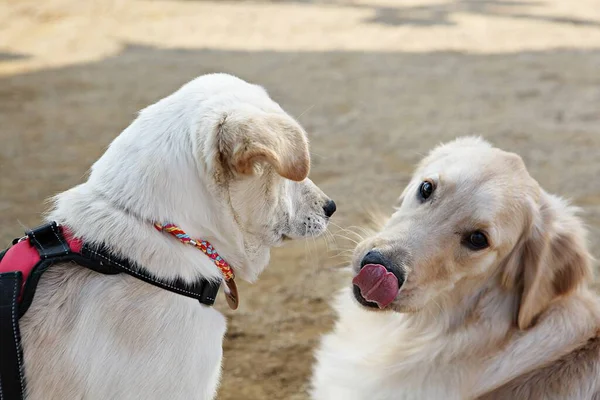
(220, 159)
(484, 278)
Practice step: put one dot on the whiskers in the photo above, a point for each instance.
(334, 249)
(343, 241)
(327, 255)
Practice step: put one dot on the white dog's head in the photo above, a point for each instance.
(225, 162)
(472, 216)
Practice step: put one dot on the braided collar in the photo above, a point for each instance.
(204, 246)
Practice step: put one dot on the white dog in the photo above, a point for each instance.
(223, 161)
(485, 279)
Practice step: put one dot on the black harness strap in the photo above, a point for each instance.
(49, 241)
(11, 361)
(203, 290)
(53, 248)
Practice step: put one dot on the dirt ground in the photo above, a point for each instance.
(375, 83)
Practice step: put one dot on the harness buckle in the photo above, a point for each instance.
(49, 240)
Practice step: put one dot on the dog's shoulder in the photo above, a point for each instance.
(572, 376)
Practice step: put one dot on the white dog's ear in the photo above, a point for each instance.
(246, 139)
(550, 261)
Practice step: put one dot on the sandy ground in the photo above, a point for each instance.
(375, 83)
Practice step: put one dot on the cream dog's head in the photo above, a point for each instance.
(222, 160)
(472, 215)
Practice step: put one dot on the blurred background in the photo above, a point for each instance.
(375, 83)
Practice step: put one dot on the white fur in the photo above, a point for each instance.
(96, 336)
(463, 325)
(392, 356)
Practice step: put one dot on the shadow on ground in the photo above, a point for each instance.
(443, 13)
(9, 56)
(370, 116)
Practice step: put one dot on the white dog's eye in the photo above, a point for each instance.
(426, 189)
(476, 240)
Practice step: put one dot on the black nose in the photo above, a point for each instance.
(375, 257)
(329, 208)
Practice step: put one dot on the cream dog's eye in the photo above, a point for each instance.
(426, 189)
(476, 240)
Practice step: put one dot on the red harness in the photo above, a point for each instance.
(21, 267)
(23, 256)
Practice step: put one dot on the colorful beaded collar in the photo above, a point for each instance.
(204, 246)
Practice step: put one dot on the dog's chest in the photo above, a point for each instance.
(360, 382)
(376, 367)
(114, 337)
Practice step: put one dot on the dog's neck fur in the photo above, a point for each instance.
(147, 176)
(435, 352)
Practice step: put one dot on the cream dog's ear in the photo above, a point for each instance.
(248, 138)
(552, 260)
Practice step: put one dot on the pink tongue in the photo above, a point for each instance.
(377, 284)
